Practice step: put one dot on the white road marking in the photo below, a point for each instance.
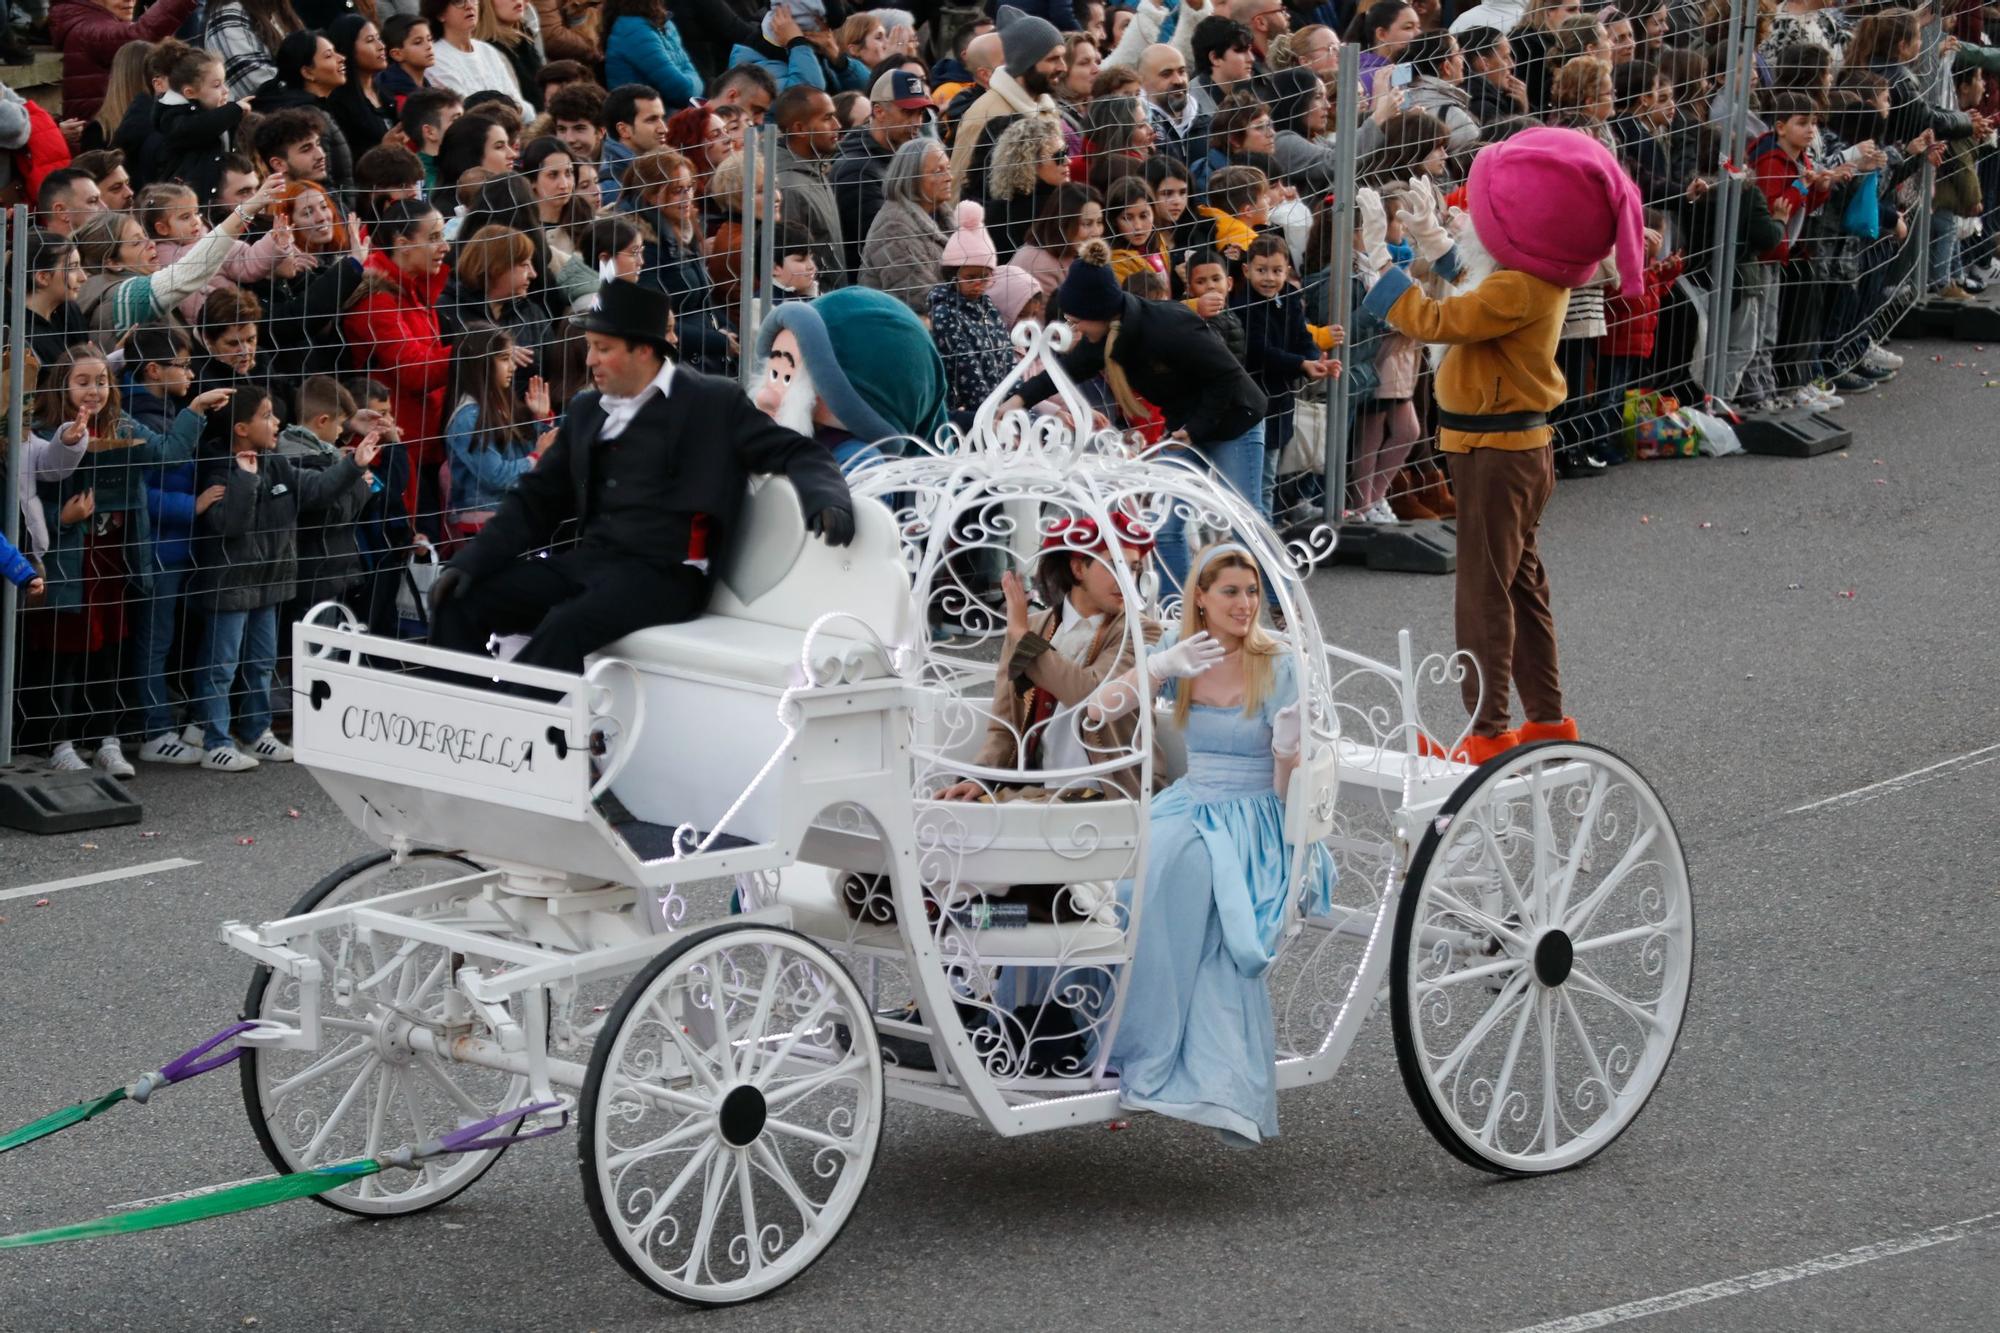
(101, 877)
(1916, 777)
(137, 1204)
(1769, 1277)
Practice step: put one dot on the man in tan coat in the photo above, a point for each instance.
(1033, 67)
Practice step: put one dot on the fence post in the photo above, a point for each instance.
(746, 251)
(1341, 308)
(1729, 209)
(10, 520)
(767, 246)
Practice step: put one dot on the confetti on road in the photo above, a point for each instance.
(1115, 1125)
(245, 842)
(41, 902)
(1645, 518)
(89, 846)
(291, 814)
(1847, 593)
(1706, 526)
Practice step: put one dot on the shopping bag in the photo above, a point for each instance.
(1713, 436)
(1863, 214)
(413, 595)
(1306, 450)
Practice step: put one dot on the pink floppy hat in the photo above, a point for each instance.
(1554, 203)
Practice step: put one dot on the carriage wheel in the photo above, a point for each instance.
(365, 1091)
(732, 1111)
(1543, 953)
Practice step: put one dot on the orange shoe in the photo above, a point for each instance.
(1564, 730)
(1474, 750)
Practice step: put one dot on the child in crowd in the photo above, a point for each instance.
(248, 568)
(1385, 423)
(1794, 191)
(171, 216)
(489, 449)
(1958, 202)
(195, 121)
(159, 378)
(1624, 359)
(1172, 185)
(971, 336)
(101, 554)
(1072, 215)
(794, 272)
(1136, 243)
(1210, 286)
(1281, 351)
(411, 56)
(1238, 207)
(329, 559)
(383, 531)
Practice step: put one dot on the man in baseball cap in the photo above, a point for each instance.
(902, 108)
(900, 88)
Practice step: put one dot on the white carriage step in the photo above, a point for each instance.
(808, 892)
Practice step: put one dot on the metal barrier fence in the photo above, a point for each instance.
(138, 633)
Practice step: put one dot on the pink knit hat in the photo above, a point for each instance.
(1554, 203)
(970, 246)
(1012, 289)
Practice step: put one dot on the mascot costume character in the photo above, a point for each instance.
(1548, 205)
(853, 369)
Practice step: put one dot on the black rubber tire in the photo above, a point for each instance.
(253, 1001)
(600, 1058)
(1401, 1017)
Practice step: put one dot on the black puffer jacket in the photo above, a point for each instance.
(329, 559)
(247, 544)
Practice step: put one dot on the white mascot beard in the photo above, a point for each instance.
(1475, 262)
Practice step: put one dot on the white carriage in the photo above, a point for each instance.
(705, 894)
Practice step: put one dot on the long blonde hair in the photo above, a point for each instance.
(1260, 650)
(128, 80)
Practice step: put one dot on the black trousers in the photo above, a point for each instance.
(568, 607)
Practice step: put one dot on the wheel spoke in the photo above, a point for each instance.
(754, 1034)
(339, 1058)
(1589, 1048)
(1504, 1084)
(813, 1136)
(690, 1128)
(645, 1225)
(696, 1062)
(339, 1112)
(1582, 979)
(1545, 834)
(674, 1097)
(774, 1167)
(1453, 905)
(1483, 1027)
(1505, 874)
(713, 1187)
(379, 1116)
(745, 1197)
(1579, 921)
(1600, 787)
(458, 1095)
(1596, 942)
(809, 1023)
(786, 1093)
(1499, 967)
(1546, 1029)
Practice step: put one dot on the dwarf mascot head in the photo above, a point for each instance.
(1553, 203)
(856, 361)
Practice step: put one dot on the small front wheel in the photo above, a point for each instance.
(731, 1114)
(1542, 960)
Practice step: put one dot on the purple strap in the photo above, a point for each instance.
(468, 1138)
(188, 1065)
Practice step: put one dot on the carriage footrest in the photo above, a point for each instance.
(655, 842)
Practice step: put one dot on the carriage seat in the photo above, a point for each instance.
(775, 581)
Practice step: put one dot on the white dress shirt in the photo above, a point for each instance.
(618, 412)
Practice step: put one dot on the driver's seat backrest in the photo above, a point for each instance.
(777, 573)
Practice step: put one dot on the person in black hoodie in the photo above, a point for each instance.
(194, 122)
(309, 71)
(1279, 348)
(1496, 94)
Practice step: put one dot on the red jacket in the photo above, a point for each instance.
(89, 35)
(47, 151)
(1780, 175)
(1634, 321)
(393, 337)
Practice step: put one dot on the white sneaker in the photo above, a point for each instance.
(65, 759)
(193, 734)
(111, 759)
(269, 749)
(1379, 512)
(1881, 358)
(169, 748)
(227, 759)
(1816, 399)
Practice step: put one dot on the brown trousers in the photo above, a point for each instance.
(1502, 602)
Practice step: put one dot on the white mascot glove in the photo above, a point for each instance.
(1374, 257)
(1285, 732)
(1190, 657)
(1423, 220)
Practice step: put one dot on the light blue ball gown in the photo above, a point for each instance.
(1197, 1040)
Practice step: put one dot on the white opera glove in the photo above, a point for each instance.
(1186, 659)
(1373, 259)
(1285, 732)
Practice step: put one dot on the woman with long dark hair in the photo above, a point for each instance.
(364, 116)
(310, 71)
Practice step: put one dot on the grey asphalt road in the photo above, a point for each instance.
(1835, 1085)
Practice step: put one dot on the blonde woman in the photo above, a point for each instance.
(1198, 1041)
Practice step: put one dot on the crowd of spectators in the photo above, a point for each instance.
(303, 272)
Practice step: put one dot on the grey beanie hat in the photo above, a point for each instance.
(1025, 40)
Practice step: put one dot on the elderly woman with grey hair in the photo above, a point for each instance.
(904, 250)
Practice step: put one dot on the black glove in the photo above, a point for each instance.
(449, 583)
(834, 525)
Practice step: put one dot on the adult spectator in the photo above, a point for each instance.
(864, 37)
(303, 321)
(69, 197)
(1438, 86)
(509, 27)
(472, 141)
(808, 140)
(1315, 47)
(246, 34)
(495, 284)
(747, 87)
(904, 252)
(1383, 29)
(1224, 61)
(106, 166)
(899, 112)
(126, 284)
(1118, 138)
(463, 63)
(1500, 15)
(571, 30)
(1027, 166)
(392, 330)
(952, 74)
(710, 28)
(983, 55)
(366, 118)
(1493, 93)
(1299, 113)
(288, 141)
(725, 242)
(1267, 21)
(309, 70)
(1532, 42)
(1025, 84)
(576, 114)
(90, 33)
(1178, 119)
(1081, 62)
(1058, 14)
(635, 122)
(793, 46)
(130, 84)
(642, 45)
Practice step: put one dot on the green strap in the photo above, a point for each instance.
(240, 1199)
(61, 1120)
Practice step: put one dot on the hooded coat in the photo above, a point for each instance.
(393, 330)
(90, 36)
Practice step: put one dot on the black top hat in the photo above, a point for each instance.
(627, 310)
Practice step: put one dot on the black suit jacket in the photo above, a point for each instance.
(633, 498)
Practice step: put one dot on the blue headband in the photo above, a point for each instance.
(1194, 575)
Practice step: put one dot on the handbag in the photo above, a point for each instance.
(1863, 215)
(413, 593)
(1655, 426)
